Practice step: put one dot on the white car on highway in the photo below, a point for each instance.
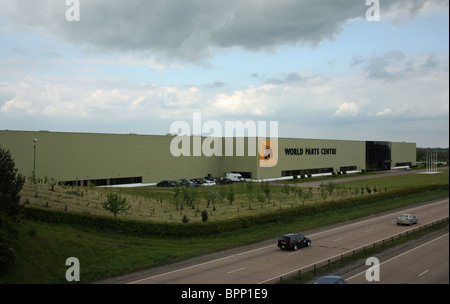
(407, 219)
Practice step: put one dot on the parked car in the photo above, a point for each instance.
(166, 183)
(407, 219)
(208, 183)
(293, 241)
(330, 280)
(223, 181)
(196, 182)
(186, 182)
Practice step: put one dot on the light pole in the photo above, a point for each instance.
(34, 160)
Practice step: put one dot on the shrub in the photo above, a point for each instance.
(204, 216)
(115, 203)
(8, 237)
(11, 184)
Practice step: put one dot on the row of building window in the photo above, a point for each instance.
(404, 164)
(104, 181)
(306, 172)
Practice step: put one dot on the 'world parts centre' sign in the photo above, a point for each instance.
(310, 151)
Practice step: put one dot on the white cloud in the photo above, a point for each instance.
(404, 10)
(193, 30)
(385, 112)
(312, 99)
(15, 104)
(106, 79)
(252, 101)
(347, 109)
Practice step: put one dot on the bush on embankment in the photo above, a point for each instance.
(208, 228)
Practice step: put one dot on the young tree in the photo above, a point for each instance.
(192, 196)
(286, 189)
(323, 193)
(299, 192)
(250, 194)
(52, 183)
(211, 197)
(176, 199)
(267, 191)
(189, 195)
(261, 198)
(230, 195)
(306, 196)
(330, 187)
(115, 203)
(11, 184)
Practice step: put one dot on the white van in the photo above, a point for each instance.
(235, 177)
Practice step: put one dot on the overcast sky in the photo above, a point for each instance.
(318, 67)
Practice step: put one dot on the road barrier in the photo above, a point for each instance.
(351, 254)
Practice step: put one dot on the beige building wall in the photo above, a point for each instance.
(403, 153)
(87, 156)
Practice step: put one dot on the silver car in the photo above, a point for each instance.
(407, 219)
(208, 183)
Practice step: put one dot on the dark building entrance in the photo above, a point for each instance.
(378, 155)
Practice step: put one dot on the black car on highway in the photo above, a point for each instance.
(293, 241)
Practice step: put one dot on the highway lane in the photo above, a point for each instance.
(419, 263)
(267, 263)
(343, 239)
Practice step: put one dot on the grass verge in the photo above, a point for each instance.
(43, 248)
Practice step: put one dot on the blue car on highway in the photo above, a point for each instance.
(332, 279)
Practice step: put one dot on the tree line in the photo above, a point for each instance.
(442, 154)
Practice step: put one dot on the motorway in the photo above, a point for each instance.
(424, 262)
(267, 263)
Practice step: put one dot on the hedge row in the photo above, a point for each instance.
(208, 228)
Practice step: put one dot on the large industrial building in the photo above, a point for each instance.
(111, 159)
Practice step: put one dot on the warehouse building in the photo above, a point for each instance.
(111, 159)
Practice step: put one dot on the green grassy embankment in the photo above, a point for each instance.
(43, 248)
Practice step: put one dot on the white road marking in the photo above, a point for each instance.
(338, 239)
(236, 270)
(424, 272)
